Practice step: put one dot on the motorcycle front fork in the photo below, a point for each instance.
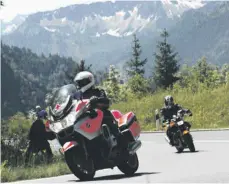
(167, 139)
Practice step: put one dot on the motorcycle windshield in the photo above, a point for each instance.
(61, 95)
(62, 101)
(61, 106)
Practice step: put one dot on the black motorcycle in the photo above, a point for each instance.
(180, 132)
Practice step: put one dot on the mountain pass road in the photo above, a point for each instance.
(160, 163)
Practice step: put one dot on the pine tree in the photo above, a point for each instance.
(100, 76)
(82, 66)
(206, 73)
(202, 69)
(136, 65)
(111, 84)
(76, 68)
(166, 64)
(139, 85)
(224, 72)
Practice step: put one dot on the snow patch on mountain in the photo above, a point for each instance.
(191, 4)
(97, 34)
(113, 32)
(117, 24)
(180, 6)
(64, 19)
(50, 30)
(9, 29)
(128, 33)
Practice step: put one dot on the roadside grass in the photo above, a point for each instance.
(56, 168)
(210, 107)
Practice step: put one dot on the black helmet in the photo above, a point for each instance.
(169, 101)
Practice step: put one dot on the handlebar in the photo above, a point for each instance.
(85, 111)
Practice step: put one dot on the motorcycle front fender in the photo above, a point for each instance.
(68, 145)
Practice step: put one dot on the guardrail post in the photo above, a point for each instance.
(157, 118)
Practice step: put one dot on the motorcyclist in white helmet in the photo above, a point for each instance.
(85, 83)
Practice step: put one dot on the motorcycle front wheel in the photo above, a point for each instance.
(81, 167)
(189, 141)
(130, 166)
(179, 146)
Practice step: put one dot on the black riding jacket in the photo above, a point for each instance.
(167, 113)
(37, 134)
(100, 93)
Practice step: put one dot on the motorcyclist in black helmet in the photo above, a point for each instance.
(167, 112)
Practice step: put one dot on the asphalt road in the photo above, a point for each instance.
(159, 162)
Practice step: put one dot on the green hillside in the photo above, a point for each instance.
(210, 107)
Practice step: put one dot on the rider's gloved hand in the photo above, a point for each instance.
(92, 113)
(93, 100)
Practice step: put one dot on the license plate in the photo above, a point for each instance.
(180, 123)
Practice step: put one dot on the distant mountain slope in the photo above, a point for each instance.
(204, 33)
(9, 27)
(98, 32)
(102, 32)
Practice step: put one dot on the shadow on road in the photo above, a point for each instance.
(186, 151)
(118, 176)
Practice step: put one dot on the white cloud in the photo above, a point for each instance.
(13, 7)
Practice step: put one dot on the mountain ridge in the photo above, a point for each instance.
(101, 32)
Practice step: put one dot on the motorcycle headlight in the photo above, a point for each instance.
(63, 124)
(171, 124)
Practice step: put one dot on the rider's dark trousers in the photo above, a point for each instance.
(109, 121)
(33, 148)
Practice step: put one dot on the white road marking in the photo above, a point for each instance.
(212, 141)
(196, 141)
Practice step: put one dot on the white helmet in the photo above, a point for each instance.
(84, 81)
(38, 108)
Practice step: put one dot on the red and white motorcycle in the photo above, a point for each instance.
(87, 144)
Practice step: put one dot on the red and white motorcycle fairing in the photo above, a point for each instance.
(92, 128)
